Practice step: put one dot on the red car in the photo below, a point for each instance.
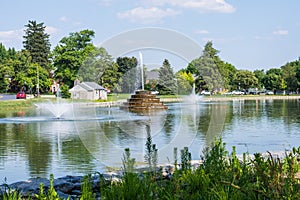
(21, 95)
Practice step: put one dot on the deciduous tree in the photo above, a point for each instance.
(69, 55)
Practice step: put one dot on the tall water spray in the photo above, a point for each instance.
(142, 69)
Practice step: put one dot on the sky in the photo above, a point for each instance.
(256, 34)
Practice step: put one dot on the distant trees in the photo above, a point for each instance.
(245, 79)
(75, 57)
(21, 70)
(100, 68)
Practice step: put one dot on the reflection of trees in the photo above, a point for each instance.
(20, 139)
(38, 153)
(287, 110)
(248, 108)
(37, 149)
(169, 124)
(76, 156)
(212, 121)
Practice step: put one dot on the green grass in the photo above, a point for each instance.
(15, 104)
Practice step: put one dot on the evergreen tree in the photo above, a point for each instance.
(166, 79)
(37, 44)
(208, 69)
(3, 53)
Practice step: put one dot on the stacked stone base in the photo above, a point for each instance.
(143, 101)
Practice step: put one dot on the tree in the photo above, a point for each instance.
(245, 79)
(185, 80)
(3, 53)
(227, 72)
(260, 75)
(100, 68)
(126, 64)
(29, 75)
(289, 76)
(128, 71)
(166, 79)
(69, 55)
(37, 44)
(208, 69)
(273, 79)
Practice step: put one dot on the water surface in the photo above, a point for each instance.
(86, 139)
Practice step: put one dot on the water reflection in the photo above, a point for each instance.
(91, 138)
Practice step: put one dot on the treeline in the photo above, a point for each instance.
(35, 68)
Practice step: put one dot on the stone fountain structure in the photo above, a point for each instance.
(143, 101)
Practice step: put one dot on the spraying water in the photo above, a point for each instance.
(142, 69)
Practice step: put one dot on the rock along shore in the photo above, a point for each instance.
(70, 186)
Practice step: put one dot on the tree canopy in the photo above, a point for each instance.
(69, 55)
(166, 80)
(36, 42)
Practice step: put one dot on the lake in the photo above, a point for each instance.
(90, 138)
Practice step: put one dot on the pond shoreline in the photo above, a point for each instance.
(205, 99)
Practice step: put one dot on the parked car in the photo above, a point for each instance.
(21, 95)
(205, 92)
(269, 92)
(237, 92)
(155, 92)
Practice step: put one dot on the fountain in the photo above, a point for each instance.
(143, 100)
(193, 98)
(57, 108)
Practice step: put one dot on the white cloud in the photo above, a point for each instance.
(63, 19)
(50, 30)
(12, 38)
(281, 32)
(202, 32)
(147, 15)
(11, 35)
(200, 5)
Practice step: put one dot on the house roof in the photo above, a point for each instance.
(93, 85)
(152, 75)
(89, 86)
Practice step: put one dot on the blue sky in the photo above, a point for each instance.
(257, 34)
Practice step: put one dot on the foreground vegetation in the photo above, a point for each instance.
(220, 176)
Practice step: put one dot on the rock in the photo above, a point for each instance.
(31, 186)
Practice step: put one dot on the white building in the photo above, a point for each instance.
(88, 91)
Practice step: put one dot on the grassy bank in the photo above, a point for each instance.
(15, 104)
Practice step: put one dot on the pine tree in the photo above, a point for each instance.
(167, 82)
(37, 44)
